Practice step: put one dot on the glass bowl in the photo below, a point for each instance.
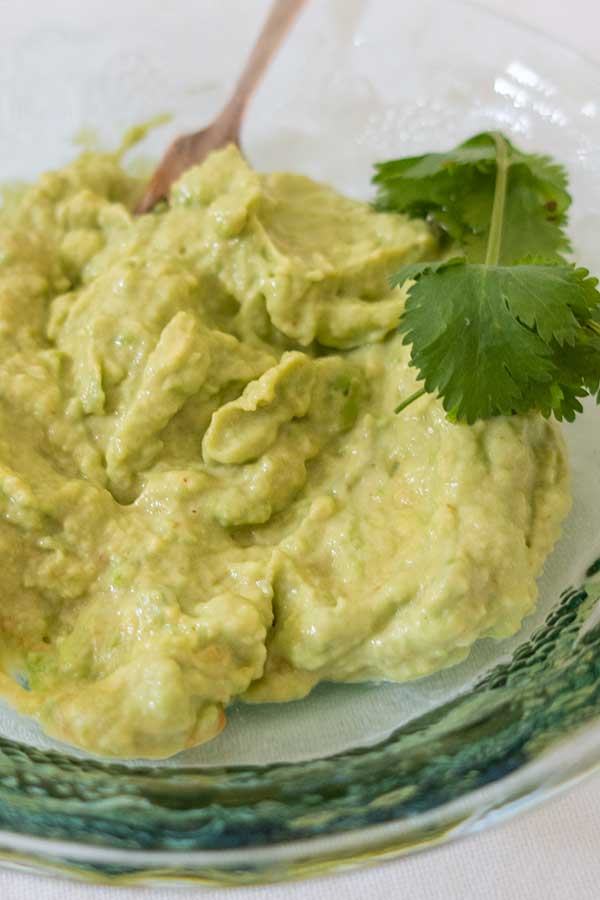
(352, 773)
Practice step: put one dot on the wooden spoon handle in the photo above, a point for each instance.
(279, 20)
(188, 149)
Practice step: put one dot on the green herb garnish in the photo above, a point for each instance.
(508, 325)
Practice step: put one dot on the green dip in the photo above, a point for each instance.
(204, 491)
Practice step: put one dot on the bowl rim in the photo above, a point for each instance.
(570, 760)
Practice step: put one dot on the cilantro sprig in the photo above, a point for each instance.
(507, 325)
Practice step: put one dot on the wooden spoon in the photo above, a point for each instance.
(190, 149)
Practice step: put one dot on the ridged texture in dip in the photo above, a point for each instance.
(204, 491)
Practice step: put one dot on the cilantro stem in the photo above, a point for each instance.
(497, 221)
(594, 326)
(410, 400)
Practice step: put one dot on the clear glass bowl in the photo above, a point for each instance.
(352, 773)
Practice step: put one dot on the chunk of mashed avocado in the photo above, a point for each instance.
(204, 491)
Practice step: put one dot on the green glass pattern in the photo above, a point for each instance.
(549, 688)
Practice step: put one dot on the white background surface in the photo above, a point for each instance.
(552, 853)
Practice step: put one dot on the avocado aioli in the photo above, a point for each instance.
(204, 491)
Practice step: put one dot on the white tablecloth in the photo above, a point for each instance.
(552, 853)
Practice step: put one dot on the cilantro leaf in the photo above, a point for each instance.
(498, 340)
(456, 190)
(509, 325)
